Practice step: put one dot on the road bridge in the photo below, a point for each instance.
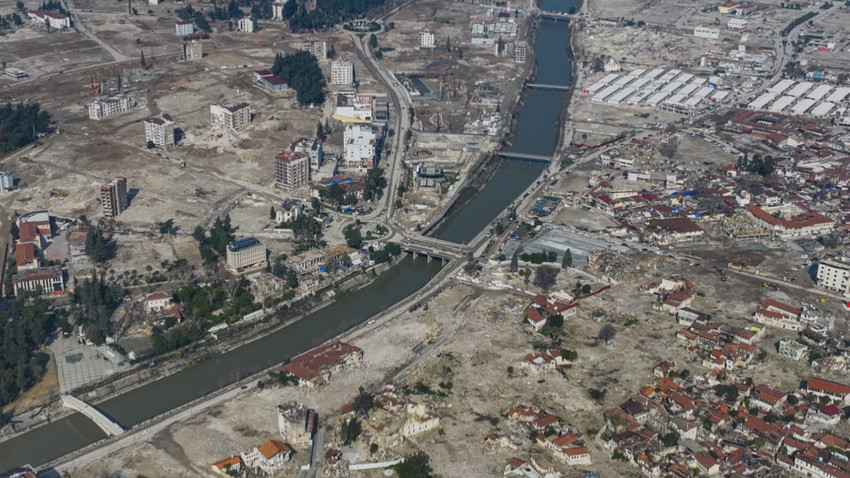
(544, 86)
(105, 423)
(555, 16)
(534, 158)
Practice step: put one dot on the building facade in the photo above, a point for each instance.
(246, 25)
(233, 117)
(297, 423)
(834, 275)
(113, 197)
(427, 39)
(184, 28)
(705, 32)
(359, 147)
(50, 280)
(292, 170)
(160, 130)
(103, 108)
(7, 181)
(520, 51)
(342, 72)
(314, 148)
(245, 252)
(53, 19)
(192, 50)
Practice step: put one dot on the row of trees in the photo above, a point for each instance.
(19, 125)
(327, 13)
(301, 72)
(94, 303)
(98, 247)
(26, 325)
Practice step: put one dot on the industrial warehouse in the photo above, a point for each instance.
(670, 90)
(802, 98)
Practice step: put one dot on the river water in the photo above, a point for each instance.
(73, 432)
(535, 133)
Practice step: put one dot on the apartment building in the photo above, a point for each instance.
(245, 252)
(314, 148)
(359, 144)
(246, 25)
(342, 72)
(160, 130)
(113, 197)
(520, 51)
(7, 181)
(427, 39)
(233, 117)
(277, 11)
(319, 48)
(292, 170)
(184, 28)
(103, 108)
(834, 275)
(191, 50)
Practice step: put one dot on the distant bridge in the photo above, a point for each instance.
(542, 86)
(534, 158)
(555, 16)
(105, 423)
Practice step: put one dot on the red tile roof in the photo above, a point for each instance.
(24, 254)
(308, 366)
(773, 304)
(27, 232)
(827, 386)
(272, 448)
(807, 219)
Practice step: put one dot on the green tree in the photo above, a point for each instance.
(301, 71)
(567, 260)
(515, 261)
(362, 402)
(165, 226)
(375, 184)
(143, 64)
(97, 247)
(150, 144)
(353, 238)
(414, 466)
(272, 213)
(545, 277)
(373, 41)
(350, 431)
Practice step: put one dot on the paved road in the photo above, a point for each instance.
(81, 27)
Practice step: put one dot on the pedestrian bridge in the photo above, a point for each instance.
(543, 86)
(534, 158)
(105, 423)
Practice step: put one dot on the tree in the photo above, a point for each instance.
(202, 22)
(320, 131)
(302, 73)
(375, 184)
(373, 448)
(289, 9)
(362, 402)
(567, 260)
(150, 144)
(20, 123)
(97, 247)
(142, 60)
(545, 277)
(449, 44)
(353, 238)
(165, 226)
(607, 333)
(350, 431)
(515, 261)
(272, 213)
(373, 41)
(555, 321)
(414, 466)
(19, 6)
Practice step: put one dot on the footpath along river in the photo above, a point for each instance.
(536, 132)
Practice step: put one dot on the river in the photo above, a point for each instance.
(535, 133)
(73, 432)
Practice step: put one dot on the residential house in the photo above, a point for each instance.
(270, 457)
(778, 314)
(157, 302)
(228, 467)
(792, 349)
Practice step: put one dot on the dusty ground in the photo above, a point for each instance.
(39, 394)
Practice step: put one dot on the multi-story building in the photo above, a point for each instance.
(318, 365)
(359, 144)
(427, 39)
(7, 181)
(246, 25)
(318, 48)
(160, 130)
(231, 116)
(191, 50)
(277, 11)
(53, 19)
(110, 106)
(342, 72)
(269, 457)
(520, 51)
(834, 275)
(113, 197)
(291, 170)
(245, 252)
(312, 148)
(50, 280)
(297, 423)
(352, 107)
(706, 32)
(184, 27)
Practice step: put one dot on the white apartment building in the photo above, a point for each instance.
(246, 25)
(292, 170)
(54, 19)
(233, 117)
(834, 275)
(318, 48)
(351, 106)
(183, 28)
(160, 130)
(110, 107)
(359, 145)
(427, 39)
(705, 32)
(153, 2)
(277, 11)
(342, 72)
(313, 148)
(245, 253)
(520, 51)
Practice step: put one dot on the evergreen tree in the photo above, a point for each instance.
(567, 261)
(142, 62)
(515, 261)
